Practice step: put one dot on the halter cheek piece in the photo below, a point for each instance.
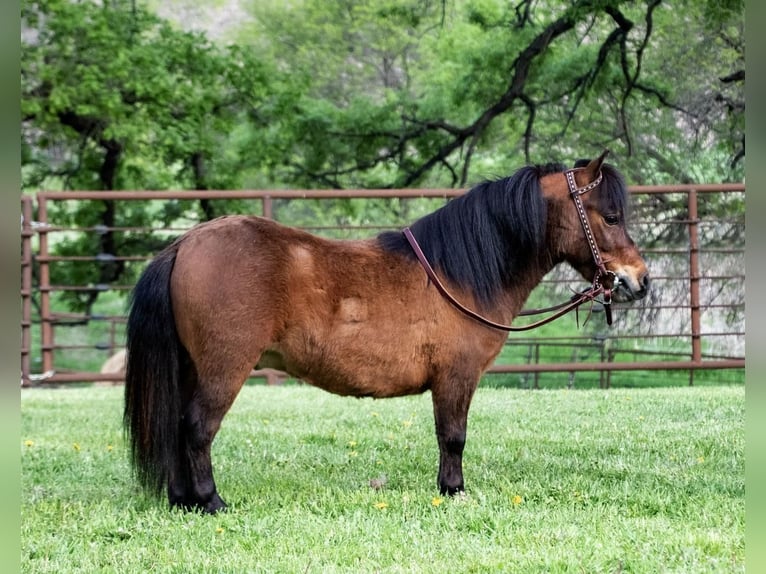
(603, 281)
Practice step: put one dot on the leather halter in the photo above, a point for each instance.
(603, 281)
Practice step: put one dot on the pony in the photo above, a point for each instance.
(355, 317)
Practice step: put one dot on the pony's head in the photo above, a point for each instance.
(605, 208)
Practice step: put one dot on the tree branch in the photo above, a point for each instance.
(520, 73)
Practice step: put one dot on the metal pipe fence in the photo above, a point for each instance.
(691, 236)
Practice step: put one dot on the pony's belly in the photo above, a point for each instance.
(350, 370)
(352, 345)
(379, 385)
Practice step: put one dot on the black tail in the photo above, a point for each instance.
(152, 375)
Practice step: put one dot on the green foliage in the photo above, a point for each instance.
(557, 481)
(621, 77)
(381, 94)
(115, 78)
(116, 98)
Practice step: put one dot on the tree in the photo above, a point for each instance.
(415, 92)
(116, 98)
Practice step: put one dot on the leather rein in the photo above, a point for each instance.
(603, 282)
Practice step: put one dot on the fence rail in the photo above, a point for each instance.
(702, 263)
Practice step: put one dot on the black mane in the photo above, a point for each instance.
(614, 193)
(483, 238)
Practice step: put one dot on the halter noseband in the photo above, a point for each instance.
(603, 281)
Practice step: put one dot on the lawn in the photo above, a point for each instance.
(625, 480)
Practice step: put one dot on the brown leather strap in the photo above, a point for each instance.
(576, 301)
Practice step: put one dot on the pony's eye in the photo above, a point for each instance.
(612, 218)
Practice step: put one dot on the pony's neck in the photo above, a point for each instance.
(514, 296)
(491, 244)
(490, 240)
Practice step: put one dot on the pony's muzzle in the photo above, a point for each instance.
(629, 288)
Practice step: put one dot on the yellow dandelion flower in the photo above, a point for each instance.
(700, 459)
(407, 423)
(381, 505)
(109, 447)
(76, 446)
(29, 443)
(352, 443)
(516, 500)
(219, 530)
(374, 414)
(436, 501)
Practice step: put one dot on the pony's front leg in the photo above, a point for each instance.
(451, 399)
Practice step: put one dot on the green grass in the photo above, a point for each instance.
(590, 481)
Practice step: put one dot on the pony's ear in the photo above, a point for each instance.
(594, 166)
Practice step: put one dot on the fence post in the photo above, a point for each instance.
(571, 380)
(45, 286)
(694, 281)
(610, 358)
(26, 288)
(536, 384)
(602, 353)
(526, 374)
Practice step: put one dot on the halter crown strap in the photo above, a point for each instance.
(585, 188)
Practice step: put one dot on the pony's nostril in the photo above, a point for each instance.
(645, 282)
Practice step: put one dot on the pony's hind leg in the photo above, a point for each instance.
(193, 486)
(179, 476)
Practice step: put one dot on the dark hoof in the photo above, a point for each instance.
(452, 490)
(216, 504)
(213, 506)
